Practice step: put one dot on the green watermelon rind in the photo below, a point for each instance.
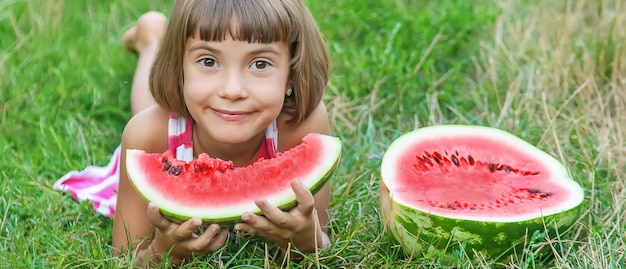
(314, 181)
(421, 232)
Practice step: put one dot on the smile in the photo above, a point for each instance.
(230, 115)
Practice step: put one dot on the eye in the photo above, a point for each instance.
(260, 64)
(208, 62)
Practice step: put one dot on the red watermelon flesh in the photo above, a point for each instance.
(476, 177)
(216, 191)
(479, 182)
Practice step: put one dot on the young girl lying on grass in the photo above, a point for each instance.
(235, 74)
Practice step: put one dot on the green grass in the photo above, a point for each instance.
(551, 72)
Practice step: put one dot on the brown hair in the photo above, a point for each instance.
(259, 21)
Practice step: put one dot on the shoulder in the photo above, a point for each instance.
(291, 135)
(147, 130)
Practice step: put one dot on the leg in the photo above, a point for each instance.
(143, 39)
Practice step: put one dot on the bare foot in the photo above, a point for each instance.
(147, 32)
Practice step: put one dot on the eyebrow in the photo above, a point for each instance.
(262, 50)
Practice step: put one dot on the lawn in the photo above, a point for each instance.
(550, 72)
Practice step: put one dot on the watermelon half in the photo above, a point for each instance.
(218, 192)
(478, 188)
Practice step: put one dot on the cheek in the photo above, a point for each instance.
(275, 88)
(271, 96)
(195, 88)
(189, 90)
(193, 95)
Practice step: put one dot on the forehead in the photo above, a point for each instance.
(253, 21)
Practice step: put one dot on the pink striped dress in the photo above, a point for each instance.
(99, 184)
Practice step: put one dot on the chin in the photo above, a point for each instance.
(232, 141)
(232, 138)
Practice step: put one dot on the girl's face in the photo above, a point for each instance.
(234, 89)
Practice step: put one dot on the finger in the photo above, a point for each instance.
(244, 227)
(185, 230)
(155, 217)
(305, 199)
(258, 225)
(200, 244)
(261, 226)
(219, 240)
(251, 229)
(274, 214)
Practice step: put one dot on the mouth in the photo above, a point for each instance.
(230, 115)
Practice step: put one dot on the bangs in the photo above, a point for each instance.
(253, 21)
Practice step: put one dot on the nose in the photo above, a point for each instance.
(233, 86)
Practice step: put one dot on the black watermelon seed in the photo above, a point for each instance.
(534, 191)
(455, 160)
(470, 159)
(507, 169)
(492, 167)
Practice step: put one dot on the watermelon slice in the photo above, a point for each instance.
(218, 192)
(448, 186)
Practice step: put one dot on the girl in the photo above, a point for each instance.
(232, 75)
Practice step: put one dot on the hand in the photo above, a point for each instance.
(181, 239)
(299, 226)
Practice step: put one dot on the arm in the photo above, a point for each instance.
(305, 226)
(131, 227)
(139, 226)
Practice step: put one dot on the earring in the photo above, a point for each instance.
(289, 92)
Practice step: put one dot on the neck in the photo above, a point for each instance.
(242, 154)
